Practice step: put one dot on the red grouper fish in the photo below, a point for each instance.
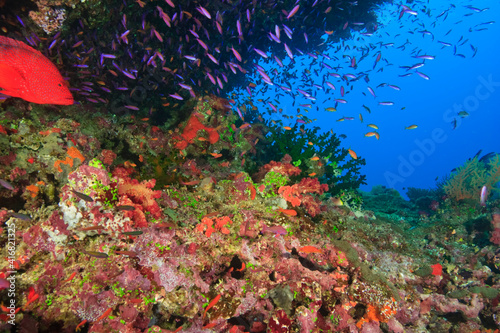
(28, 74)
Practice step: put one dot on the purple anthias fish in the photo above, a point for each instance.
(484, 196)
(6, 184)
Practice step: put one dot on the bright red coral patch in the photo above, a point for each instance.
(190, 132)
(437, 269)
(207, 225)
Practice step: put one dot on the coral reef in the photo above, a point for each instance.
(106, 247)
(187, 216)
(386, 200)
(316, 154)
(495, 224)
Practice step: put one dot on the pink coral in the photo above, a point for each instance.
(139, 192)
(241, 189)
(250, 226)
(142, 196)
(285, 167)
(311, 185)
(7, 159)
(495, 223)
(169, 278)
(91, 305)
(17, 172)
(312, 205)
(107, 156)
(279, 322)
(86, 176)
(128, 312)
(442, 304)
(4, 215)
(39, 240)
(107, 192)
(132, 279)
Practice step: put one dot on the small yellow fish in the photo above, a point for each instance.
(372, 126)
(337, 202)
(411, 127)
(331, 109)
(287, 128)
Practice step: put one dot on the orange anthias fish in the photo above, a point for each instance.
(353, 154)
(289, 212)
(28, 74)
(310, 249)
(211, 304)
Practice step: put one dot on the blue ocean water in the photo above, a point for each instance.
(463, 38)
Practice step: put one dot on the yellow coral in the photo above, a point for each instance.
(466, 182)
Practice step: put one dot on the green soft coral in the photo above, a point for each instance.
(468, 179)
